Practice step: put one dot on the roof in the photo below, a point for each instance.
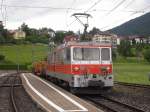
(83, 44)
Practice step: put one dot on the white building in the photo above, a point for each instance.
(19, 34)
(107, 38)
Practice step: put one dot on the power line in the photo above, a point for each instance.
(93, 5)
(129, 4)
(115, 22)
(37, 7)
(118, 5)
(102, 10)
(72, 22)
(86, 11)
(67, 11)
(110, 11)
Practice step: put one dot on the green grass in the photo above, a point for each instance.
(22, 54)
(132, 72)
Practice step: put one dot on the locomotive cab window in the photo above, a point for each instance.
(86, 54)
(105, 54)
(77, 54)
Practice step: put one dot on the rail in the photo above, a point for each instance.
(133, 85)
(110, 108)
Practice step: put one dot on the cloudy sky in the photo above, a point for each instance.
(56, 14)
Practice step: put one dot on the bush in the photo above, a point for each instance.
(12, 67)
(2, 57)
(114, 54)
(147, 55)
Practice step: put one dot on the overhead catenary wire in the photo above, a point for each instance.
(118, 5)
(130, 3)
(67, 11)
(113, 9)
(86, 11)
(116, 22)
(70, 8)
(38, 7)
(93, 6)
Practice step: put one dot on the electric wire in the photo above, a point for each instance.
(38, 7)
(118, 5)
(67, 11)
(75, 9)
(116, 22)
(93, 6)
(130, 3)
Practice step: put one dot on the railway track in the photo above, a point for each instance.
(13, 97)
(7, 93)
(133, 85)
(111, 104)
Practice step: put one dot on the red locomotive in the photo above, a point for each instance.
(80, 66)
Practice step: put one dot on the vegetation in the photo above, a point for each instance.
(132, 72)
(125, 48)
(2, 57)
(23, 55)
(147, 55)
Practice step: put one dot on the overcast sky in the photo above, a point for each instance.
(56, 14)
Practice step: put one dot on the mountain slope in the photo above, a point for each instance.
(137, 26)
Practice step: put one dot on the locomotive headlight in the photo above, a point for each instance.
(108, 68)
(76, 69)
(105, 68)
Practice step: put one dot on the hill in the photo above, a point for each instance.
(137, 26)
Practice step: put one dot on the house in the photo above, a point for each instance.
(71, 38)
(138, 39)
(18, 34)
(107, 38)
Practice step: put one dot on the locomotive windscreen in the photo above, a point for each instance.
(86, 53)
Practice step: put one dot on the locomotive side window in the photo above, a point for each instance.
(105, 54)
(68, 53)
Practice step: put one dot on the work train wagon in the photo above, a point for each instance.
(81, 65)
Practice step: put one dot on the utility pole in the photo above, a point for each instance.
(17, 56)
(78, 16)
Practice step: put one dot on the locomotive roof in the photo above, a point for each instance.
(83, 44)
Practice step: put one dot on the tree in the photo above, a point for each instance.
(147, 55)
(125, 48)
(59, 37)
(2, 39)
(2, 57)
(4, 35)
(26, 29)
(94, 31)
(139, 47)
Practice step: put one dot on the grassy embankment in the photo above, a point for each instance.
(126, 70)
(132, 72)
(22, 54)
